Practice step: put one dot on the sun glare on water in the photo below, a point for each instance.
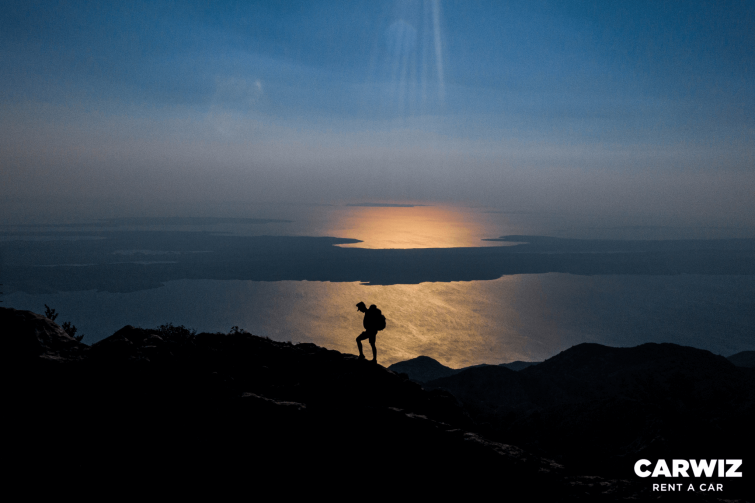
(413, 227)
(445, 320)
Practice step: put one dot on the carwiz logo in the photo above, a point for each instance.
(682, 468)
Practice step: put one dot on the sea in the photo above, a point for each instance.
(527, 317)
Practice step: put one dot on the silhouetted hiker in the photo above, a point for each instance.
(373, 321)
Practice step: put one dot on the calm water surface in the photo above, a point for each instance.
(521, 317)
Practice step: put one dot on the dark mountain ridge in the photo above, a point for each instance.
(140, 409)
(743, 359)
(599, 409)
(423, 368)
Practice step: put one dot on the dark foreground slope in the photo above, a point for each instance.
(137, 411)
(599, 409)
(234, 412)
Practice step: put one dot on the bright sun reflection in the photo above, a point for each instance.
(415, 227)
(459, 324)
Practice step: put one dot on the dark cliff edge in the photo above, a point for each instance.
(229, 412)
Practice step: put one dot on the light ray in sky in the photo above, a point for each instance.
(438, 49)
(413, 68)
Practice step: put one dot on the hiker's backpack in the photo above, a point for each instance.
(377, 319)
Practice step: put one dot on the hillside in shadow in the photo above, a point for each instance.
(142, 409)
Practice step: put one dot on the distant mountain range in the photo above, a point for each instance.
(599, 409)
(423, 368)
(743, 359)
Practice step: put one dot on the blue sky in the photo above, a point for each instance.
(481, 102)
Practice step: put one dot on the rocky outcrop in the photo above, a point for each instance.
(28, 335)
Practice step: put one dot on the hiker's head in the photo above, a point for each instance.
(362, 307)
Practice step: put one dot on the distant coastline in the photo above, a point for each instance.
(295, 258)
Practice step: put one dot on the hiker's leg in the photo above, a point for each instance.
(359, 342)
(372, 343)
